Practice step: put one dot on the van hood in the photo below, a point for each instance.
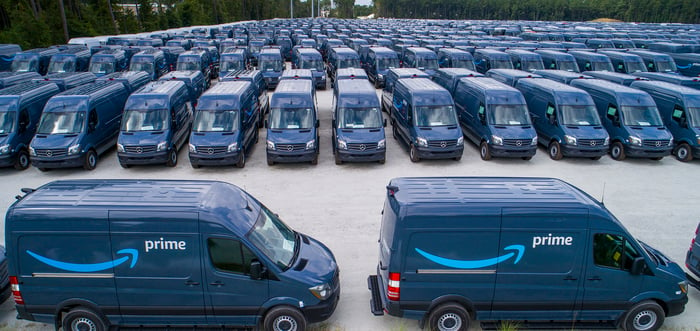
(360, 135)
(586, 131)
(291, 136)
(213, 138)
(665, 264)
(6, 138)
(439, 132)
(143, 138)
(315, 264)
(514, 132)
(55, 141)
(650, 132)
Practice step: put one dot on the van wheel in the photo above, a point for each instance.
(124, 165)
(595, 158)
(270, 162)
(527, 158)
(284, 319)
(241, 160)
(22, 162)
(394, 131)
(645, 316)
(485, 151)
(449, 317)
(658, 158)
(81, 319)
(195, 165)
(172, 158)
(338, 161)
(314, 161)
(617, 151)
(413, 153)
(555, 150)
(683, 153)
(90, 160)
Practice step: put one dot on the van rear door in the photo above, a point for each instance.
(163, 284)
(540, 278)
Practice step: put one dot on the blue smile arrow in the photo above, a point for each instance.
(464, 264)
(75, 267)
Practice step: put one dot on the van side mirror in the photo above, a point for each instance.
(384, 123)
(256, 270)
(318, 124)
(638, 266)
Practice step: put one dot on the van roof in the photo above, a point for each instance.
(422, 85)
(94, 90)
(230, 88)
(621, 55)
(382, 50)
(461, 72)
(550, 85)
(179, 74)
(609, 88)
(163, 87)
(497, 191)
(666, 87)
(28, 89)
(294, 86)
(589, 55)
(488, 84)
(356, 87)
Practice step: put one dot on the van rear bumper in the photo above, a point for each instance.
(676, 307)
(58, 162)
(146, 158)
(509, 151)
(214, 160)
(577, 151)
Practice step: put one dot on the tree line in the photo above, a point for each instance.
(678, 11)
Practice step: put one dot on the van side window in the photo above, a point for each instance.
(678, 114)
(230, 255)
(613, 251)
(651, 66)
(92, 120)
(23, 120)
(612, 112)
(587, 67)
(550, 110)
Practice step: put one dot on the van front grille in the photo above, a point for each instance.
(516, 142)
(212, 150)
(140, 149)
(291, 147)
(51, 152)
(591, 142)
(655, 143)
(362, 147)
(442, 143)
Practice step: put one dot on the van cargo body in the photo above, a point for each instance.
(132, 80)
(162, 253)
(36, 60)
(8, 79)
(390, 80)
(379, 61)
(310, 58)
(524, 249)
(108, 61)
(151, 61)
(78, 125)
(194, 81)
(69, 80)
(70, 60)
(271, 64)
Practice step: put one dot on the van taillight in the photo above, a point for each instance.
(393, 290)
(14, 284)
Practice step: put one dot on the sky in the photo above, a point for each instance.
(363, 2)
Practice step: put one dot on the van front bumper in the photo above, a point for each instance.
(145, 158)
(637, 151)
(510, 151)
(434, 153)
(578, 151)
(57, 162)
(366, 156)
(291, 157)
(201, 159)
(8, 160)
(676, 307)
(696, 152)
(323, 310)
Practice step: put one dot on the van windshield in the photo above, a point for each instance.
(227, 66)
(291, 118)
(568, 66)
(466, 64)
(274, 239)
(216, 121)
(501, 64)
(387, 63)
(579, 115)
(508, 115)
(636, 67)
(102, 67)
(141, 66)
(24, 65)
(666, 66)
(425, 116)
(271, 65)
(61, 66)
(312, 64)
(641, 116)
(188, 66)
(7, 121)
(601, 66)
(145, 120)
(531, 65)
(426, 63)
(349, 63)
(359, 118)
(694, 114)
(68, 122)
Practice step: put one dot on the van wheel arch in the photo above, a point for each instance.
(449, 299)
(640, 314)
(72, 304)
(281, 313)
(451, 315)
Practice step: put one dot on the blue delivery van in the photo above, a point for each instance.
(455, 58)
(232, 59)
(392, 77)
(292, 126)
(656, 62)
(525, 60)
(449, 77)
(151, 61)
(423, 117)
(78, 125)
(494, 116)
(561, 76)
(358, 125)
(615, 77)
(163, 253)
(693, 82)
(631, 118)
(510, 77)
(196, 60)
(8, 79)
(36, 60)
(679, 107)
(69, 80)
(489, 58)
(271, 64)
(341, 58)
(589, 61)
(156, 124)
(537, 250)
(255, 77)
(625, 62)
(556, 60)
(108, 61)
(310, 58)
(225, 126)
(421, 58)
(692, 259)
(132, 80)
(20, 111)
(565, 118)
(379, 60)
(7, 55)
(194, 81)
(70, 60)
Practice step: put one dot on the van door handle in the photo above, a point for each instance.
(595, 279)
(381, 266)
(217, 284)
(570, 278)
(191, 283)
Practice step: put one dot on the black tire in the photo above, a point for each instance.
(457, 158)
(270, 162)
(284, 319)
(527, 158)
(449, 317)
(595, 158)
(413, 153)
(22, 161)
(683, 153)
(124, 165)
(90, 162)
(195, 165)
(644, 316)
(338, 161)
(617, 151)
(241, 160)
(81, 319)
(485, 151)
(314, 161)
(394, 131)
(43, 169)
(382, 161)
(172, 158)
(554, 150)
(658, 158)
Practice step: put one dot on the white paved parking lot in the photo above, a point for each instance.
(340, 205)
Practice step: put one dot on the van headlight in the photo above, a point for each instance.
(670, 142)
(193, 148)
(698, 139)
(32, 151)
(683, 286)
(570, 140)
(322, 292)
(161, 146)
(460, 141)
(381, 144)
(496, 140)
(380, 77)
(120, 148)
(635, 141)
(607, 141)
(342, 144)
(75, 149)
(270, 145)
(311, 144)
(534, 141)
(422, 142)
(232, 147)
(4, 149)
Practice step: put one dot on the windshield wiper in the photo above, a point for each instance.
(297, 248)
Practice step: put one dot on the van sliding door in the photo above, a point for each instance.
(541, 279)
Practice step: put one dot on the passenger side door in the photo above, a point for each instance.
(541, 273)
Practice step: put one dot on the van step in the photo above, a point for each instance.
(549, 325)
(185, 328)
(692, 281)
(375, 304)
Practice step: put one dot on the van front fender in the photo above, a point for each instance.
(466, 303)
(659, 297)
